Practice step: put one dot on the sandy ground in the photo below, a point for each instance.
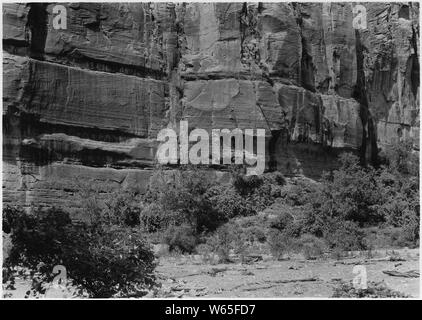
(189, 276)
(186, 278)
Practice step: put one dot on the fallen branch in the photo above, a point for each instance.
(369, 261)
(353, 263)
(389, 258)
(312, 279)
(274, 282)
(407, 274)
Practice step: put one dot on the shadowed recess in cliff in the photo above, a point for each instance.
(369, 149)
(37, 24)
(414, 65)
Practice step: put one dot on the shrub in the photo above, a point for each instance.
(364, 196)
(382, 237)
(180, 238)
(226, 238)
(409, 236)
(281, 221)
(206, 252)
(122, 208)
(153, 218)
(259, 191)
(346, 200)
(280, 243)
(243, 184)
(374, 290)
(227, 203)
(255, 233)
(297, 194)
(183, 194)
(400, 206)
(285, 218)
(101, 260)
(352, 192)
(400, 157)
(344, 235)
(91, 202)
(311, 246)
(254, 228)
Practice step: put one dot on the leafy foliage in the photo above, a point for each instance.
(353, 197)
(259, 191)
(311, 246)
(154, 218)
(102, 260)
(183, 193)
(227, 238)
(122, 208)
(374, 290)
(401, 157)
(181, 238)
(350, 193)
(344, 235)
(280, 243)
(228, 203)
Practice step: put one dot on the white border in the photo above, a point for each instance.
(218, 299)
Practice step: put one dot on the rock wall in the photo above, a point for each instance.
(84, 104)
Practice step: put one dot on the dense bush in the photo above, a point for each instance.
(374, 290)
(180, 238)
(350, 193)
(387, 237)
(192, 197)
(254, 228)
(122, 208)
(400, 157)
(227, 203)
(333, 212)
(286, 236)
(353, 197)
(259, 191)
(280, 243)
(344, 235)
(225, 239)
(183, 194)
(346, 200)
(154, 218)
(298, 191)
(311, 247)
(400, 183)
(282, 221)
(100, 259)
(400, 204)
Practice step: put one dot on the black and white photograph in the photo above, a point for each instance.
(210, 150)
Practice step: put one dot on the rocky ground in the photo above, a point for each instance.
(189, 277)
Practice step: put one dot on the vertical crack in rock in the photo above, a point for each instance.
(369, 149)
(37, 24)
(414, 66)
(307, 67)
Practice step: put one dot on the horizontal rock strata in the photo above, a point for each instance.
(83, 105)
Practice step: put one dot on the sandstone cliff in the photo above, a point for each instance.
(85, 103)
